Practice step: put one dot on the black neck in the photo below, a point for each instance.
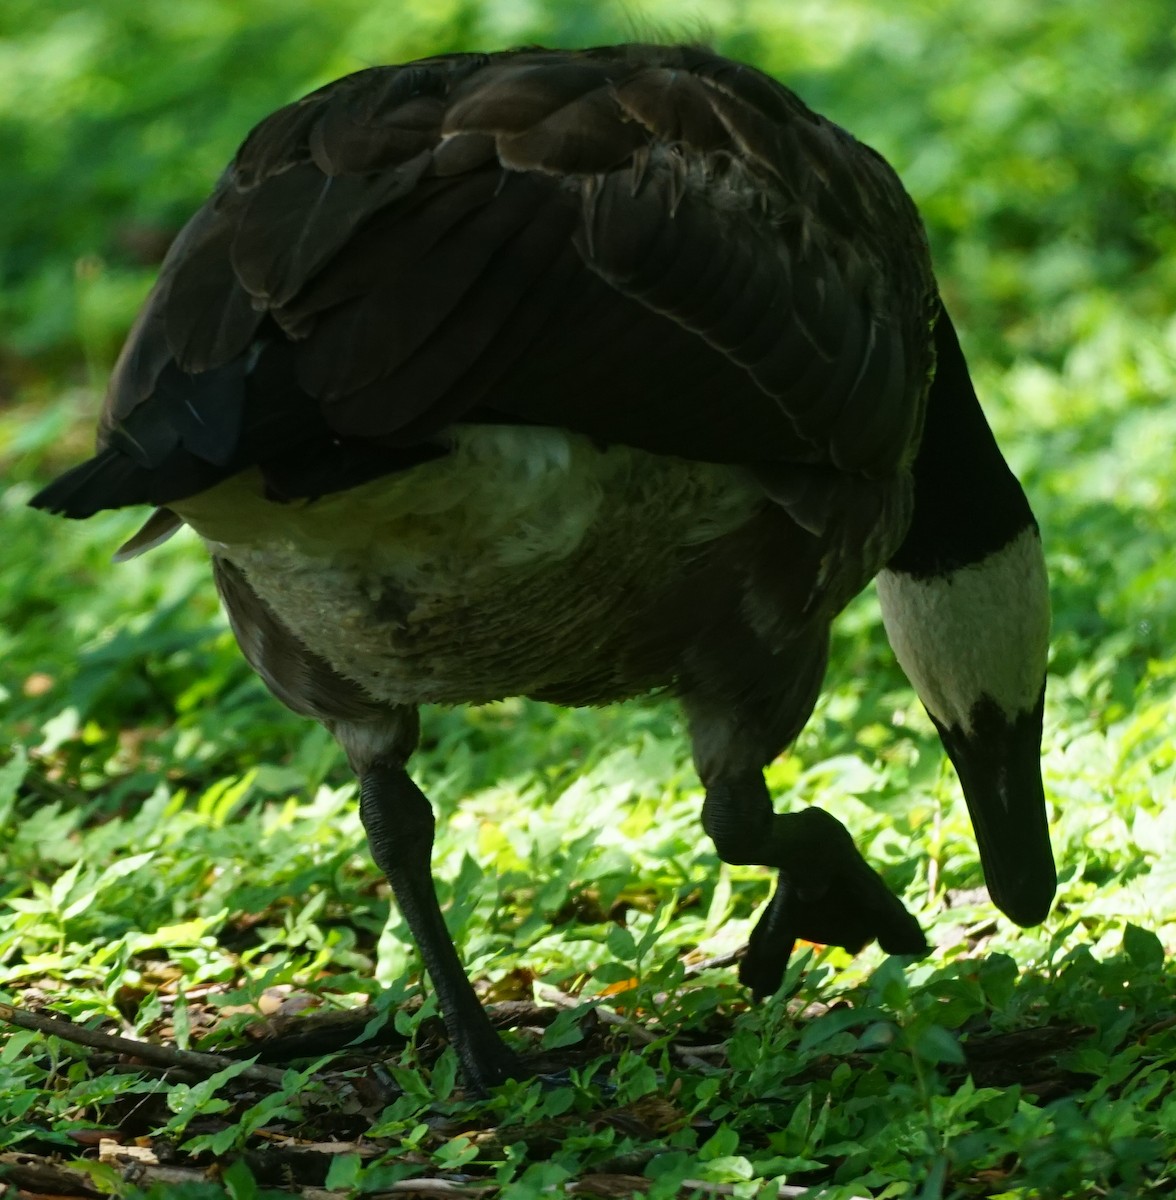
(968, 504)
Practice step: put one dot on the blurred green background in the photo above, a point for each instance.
(1039, 140)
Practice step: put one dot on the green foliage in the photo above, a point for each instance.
(178, 855)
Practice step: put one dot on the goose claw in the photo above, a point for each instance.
(827, 893)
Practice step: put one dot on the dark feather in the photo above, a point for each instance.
(649, 245)
(514, 95)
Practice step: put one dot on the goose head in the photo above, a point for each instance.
(965, 602)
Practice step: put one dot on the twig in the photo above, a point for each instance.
(704, 1053)
(171, 1056)
(1160, 1026)
(713, 964)
(435, 1187)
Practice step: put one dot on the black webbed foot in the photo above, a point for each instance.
(827, 893)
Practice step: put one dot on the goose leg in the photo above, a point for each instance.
(399, 823)
(825, 891)
(378, 739)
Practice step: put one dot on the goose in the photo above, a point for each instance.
(581, 375)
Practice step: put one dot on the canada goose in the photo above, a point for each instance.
(577, 374)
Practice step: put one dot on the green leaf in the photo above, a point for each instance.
(998, 978)
(455, 1153)
(565, 1030)
(932, 1188)
(613, 972)
(723, 1143)
(1143, 947)
(187, 1102)
(881, 1035)
(123, 867)
(344, 1172)
(444, 1075)
(64, 884)
(817, 1032)
(799, 1121)
(934, 1044)
(621, 944)
(11, 774)
(16, 1043)
(239, 1181)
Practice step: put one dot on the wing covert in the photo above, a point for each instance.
(649, 245)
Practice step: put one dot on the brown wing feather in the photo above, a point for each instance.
(652, 245)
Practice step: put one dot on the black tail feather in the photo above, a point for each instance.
(108, 480)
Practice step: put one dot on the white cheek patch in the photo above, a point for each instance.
(982, 630)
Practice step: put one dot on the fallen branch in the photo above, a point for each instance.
(171, 1056)
(314, 1034)
(43, 1176)
(713, 964)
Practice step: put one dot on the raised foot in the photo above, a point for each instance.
(826, 892)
